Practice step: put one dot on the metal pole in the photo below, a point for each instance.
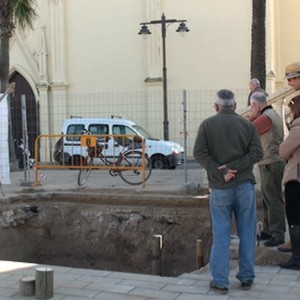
(25, 142)
(165, 91)
(24, 136)
(144, 30)
(185, 137)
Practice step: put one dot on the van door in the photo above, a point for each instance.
(72, 145)
(102, 131)
(121, 142)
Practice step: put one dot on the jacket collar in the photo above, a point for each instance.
(265, 108)
(226, 111)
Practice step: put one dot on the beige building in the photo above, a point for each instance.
(85, 58)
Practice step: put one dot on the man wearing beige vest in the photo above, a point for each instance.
(271, 167)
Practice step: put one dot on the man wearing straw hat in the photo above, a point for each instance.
(292, 74)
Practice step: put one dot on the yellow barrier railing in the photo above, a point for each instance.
(55, 151)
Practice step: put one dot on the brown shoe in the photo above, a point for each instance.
(286, 247)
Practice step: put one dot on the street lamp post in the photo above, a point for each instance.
(144, 30)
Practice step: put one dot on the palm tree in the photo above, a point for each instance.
(258, 41)
(13, 13)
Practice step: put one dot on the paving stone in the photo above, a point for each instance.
(271, 283)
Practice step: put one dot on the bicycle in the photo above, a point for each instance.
(128, 164)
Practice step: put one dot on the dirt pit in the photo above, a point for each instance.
(110, 231)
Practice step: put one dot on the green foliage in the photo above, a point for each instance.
(24, 12)
(13, 13)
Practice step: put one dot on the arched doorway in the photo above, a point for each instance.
(23, 88)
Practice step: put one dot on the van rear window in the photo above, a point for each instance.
(98, 129)
(78, 128)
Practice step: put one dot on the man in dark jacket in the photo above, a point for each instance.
(227, 146)
(254, 85)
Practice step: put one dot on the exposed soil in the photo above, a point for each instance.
(111, 231)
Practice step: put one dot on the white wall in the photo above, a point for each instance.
(103, 51)
(93, 48)
(286, 25)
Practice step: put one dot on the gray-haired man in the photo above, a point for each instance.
(227, 146)
(271, 167)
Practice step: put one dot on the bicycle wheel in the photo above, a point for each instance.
(84, 174)
(135, 159)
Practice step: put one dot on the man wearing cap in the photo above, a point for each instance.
(292, 73)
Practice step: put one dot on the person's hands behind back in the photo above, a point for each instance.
(229, 174)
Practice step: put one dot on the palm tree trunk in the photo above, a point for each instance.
(4, 62)
(258, 41)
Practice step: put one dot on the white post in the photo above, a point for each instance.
(4, 157)
(184, 104)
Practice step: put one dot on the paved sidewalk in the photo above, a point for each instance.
(65, 179)
(74, 284)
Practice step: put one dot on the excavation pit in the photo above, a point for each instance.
(107, 230)
(113, 229)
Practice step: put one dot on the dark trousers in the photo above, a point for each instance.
(273, 205)
(292, 202)
(292, 206)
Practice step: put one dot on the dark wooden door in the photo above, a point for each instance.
(23, 88)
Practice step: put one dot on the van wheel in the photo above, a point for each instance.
(160, 162)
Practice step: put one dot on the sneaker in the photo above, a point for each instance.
(246, 285)
(273, 242)
(263, 236)
(218, 289)
(286, 247)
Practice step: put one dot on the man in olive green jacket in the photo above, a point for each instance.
(227, 146)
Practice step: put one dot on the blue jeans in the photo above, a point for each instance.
(239, 201)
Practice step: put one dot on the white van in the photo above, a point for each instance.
(163, 154)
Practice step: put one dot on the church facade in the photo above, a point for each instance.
(86, 58)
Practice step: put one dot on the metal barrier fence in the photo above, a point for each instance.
(107, 152)
(187, 110)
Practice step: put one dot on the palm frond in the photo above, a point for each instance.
(24, 12)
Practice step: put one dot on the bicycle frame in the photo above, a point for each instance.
(127, 164)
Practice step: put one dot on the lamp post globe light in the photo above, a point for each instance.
(182, 28)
